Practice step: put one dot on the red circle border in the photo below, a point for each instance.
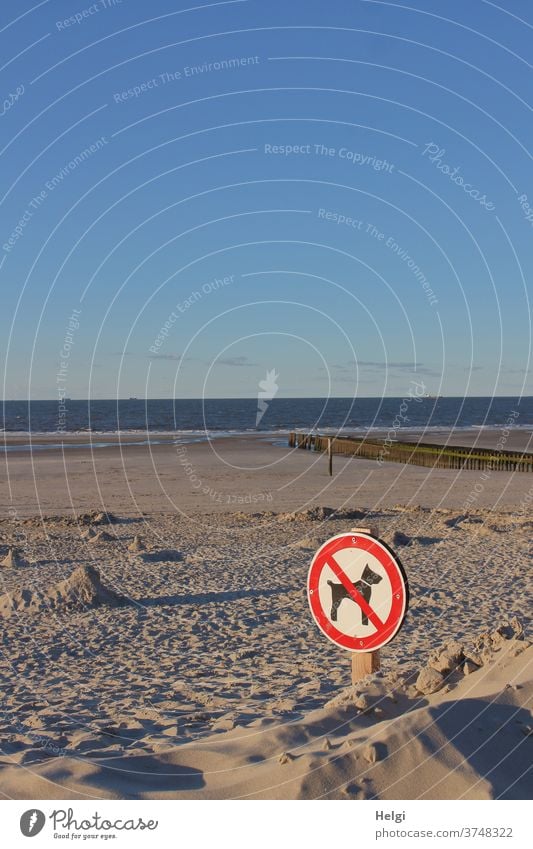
(397, 578)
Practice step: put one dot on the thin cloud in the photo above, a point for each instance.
(430, 372)
(400, 365)
(235, 362)
(390, 364)
(172, 357)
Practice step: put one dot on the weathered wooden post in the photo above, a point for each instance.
(330, 457)
(364, 664)
(367, 662)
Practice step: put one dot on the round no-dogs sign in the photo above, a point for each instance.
(357, 591)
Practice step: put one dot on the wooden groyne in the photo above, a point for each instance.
(417, 453)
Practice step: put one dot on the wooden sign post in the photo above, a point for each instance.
(364, 663)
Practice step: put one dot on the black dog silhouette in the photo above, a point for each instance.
(363, 586)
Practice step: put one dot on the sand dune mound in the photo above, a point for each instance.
(136, 544)
(472, 743)
(321, 514)
(100, 517)
(101, 536)
(313, 514)
(81, 590)
(350, 514)
(262, 515)
(97, 517)
(12, 559)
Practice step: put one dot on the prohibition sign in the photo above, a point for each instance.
(357, 591)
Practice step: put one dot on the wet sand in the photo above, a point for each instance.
(246, 473)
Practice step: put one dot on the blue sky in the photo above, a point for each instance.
(338, 191)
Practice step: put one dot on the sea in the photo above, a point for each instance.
(197, 419)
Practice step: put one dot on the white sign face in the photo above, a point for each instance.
(345, 613)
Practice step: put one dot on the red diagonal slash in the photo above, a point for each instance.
(355, 594)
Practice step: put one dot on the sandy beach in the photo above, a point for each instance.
(248, 473)
(164, 648)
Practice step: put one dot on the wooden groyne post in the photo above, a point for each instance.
(425, 454)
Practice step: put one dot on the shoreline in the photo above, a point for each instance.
(248, 473)
(517, 438)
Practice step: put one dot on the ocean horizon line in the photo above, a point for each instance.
(429, 397)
